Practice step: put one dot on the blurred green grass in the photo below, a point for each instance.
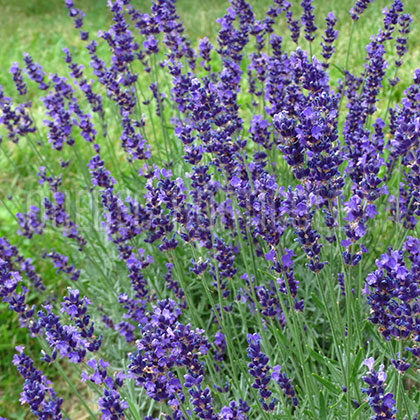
(42, 28)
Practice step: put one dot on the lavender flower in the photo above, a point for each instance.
(382, 404)
(293, 23)
(76, 308)
(391, 18)
(18, 80)
(401, 365)
(77, 16)
(76, 72)
(202, 403)
(111, 406)
(308, 20)
(63, 339)
(284, 383)
(62, 264)
(359, 7)
(9, 281)
(404, 22)
(14, 261)
(35, 72)
(393, 292)
(16, 120)
(259, 369)
(205, 48)
(166, 343)
(235, 411)
(260, 132)
(37, 392)
(30, 223)
(329, 38)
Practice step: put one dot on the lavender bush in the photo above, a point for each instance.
(235, 227)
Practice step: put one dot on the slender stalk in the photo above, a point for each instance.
(349, 45)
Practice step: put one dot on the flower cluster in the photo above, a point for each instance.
(382, 404)
(233, 179)
(37, 391)
(393, 292)
(111, 405)
(166, 344)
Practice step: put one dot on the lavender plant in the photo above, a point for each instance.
(216, 209)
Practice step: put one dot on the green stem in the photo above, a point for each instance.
(344, 369)
(349, 45)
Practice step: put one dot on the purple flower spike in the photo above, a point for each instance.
(76, 307)
(30, 223)
(285, 384)
(294, 25)
(235, 411)
(404, 22)
(61, 262)
(308, 20)
(328, 39)
(35, 72)
(259, 369)
(382, 404)
(18, 80)
(37, 392)
(359, 7)
(393, 292)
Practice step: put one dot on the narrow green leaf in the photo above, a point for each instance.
(322, 407)
(310, 414)
(356, 364)
(279, 334)
(328, 384)
(373, 334)
(318, 303)
(318, 357)
(359, 410)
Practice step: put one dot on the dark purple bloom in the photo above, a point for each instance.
(9, 281)
(61, 262)
(382, 404)
(37, 391)
(260, 370)
(359, 7)
(57, 214)
(14, 261)
(18, 80)
(404, 22)
(235, 411)
(294, 25)
(166, 343)
(203, 403)
(16, 120)
(260, 132)
(205, 48)
(393, 292)
(391, 18)
(35, 72)
(284, 383)
(220, 343)
(401, 365)
(328, 39)
(111, 406)
(30, 223)
(76, 308)
(308, 20)
(77, 16)
(76, 73)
